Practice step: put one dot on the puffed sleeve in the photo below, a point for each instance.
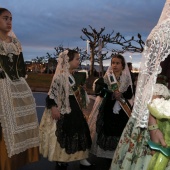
(50, 102)
(21, 66)
(21, 69)
(100, 87)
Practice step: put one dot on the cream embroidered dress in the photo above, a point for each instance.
(67, 139)
(18, 117)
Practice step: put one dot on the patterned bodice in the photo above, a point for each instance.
(11, 60)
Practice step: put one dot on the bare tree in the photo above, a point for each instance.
(58, 50)
(83, 54)
(52, 58)
(93, 37)
(131, 45)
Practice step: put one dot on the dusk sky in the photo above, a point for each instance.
(41, 25)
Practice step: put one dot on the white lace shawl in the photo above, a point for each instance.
(125, 82)
(157, 48)
(125, 79)
(60, 88)
(13, 47)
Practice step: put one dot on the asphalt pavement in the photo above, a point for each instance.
(44, 164)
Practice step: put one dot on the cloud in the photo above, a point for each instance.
(42, 25)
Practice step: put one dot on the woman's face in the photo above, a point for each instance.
(74, 64)
(117, 65)
(5, 22)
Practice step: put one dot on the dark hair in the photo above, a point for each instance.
(71, 54)
(162, 79)
(3, 10)
(129, 64)
(120, 57)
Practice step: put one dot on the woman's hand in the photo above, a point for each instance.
(55, 113)
(157, 137)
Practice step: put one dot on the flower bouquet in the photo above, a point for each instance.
(160, 109)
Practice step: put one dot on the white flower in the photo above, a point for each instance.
(161, 105)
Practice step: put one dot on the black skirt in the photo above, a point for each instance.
(109, 126)
(72, 129)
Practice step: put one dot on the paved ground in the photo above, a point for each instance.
(43, 163)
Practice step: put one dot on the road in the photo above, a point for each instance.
(43, 163)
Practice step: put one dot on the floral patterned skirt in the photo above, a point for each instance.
(132, 152)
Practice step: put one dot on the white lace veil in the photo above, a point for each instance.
(12, 34)
(157, 48)
(62, 66)
(125, 78)
(125, 82)
(59, 90)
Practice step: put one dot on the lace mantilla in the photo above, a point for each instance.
(125, 80)
(60, 94)
(60, 88)
(157, 48)
(13, 47)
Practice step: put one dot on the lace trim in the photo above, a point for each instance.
(13, 47)
(18, 119)
(60, 88)
(124, 82)
(73, 142)
(156, 50)
(72, 130)
(60, 94)
(107, 142)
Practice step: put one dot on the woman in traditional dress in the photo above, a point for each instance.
(64, 132)
(19, 135)
(111, 109)
(133, 152)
